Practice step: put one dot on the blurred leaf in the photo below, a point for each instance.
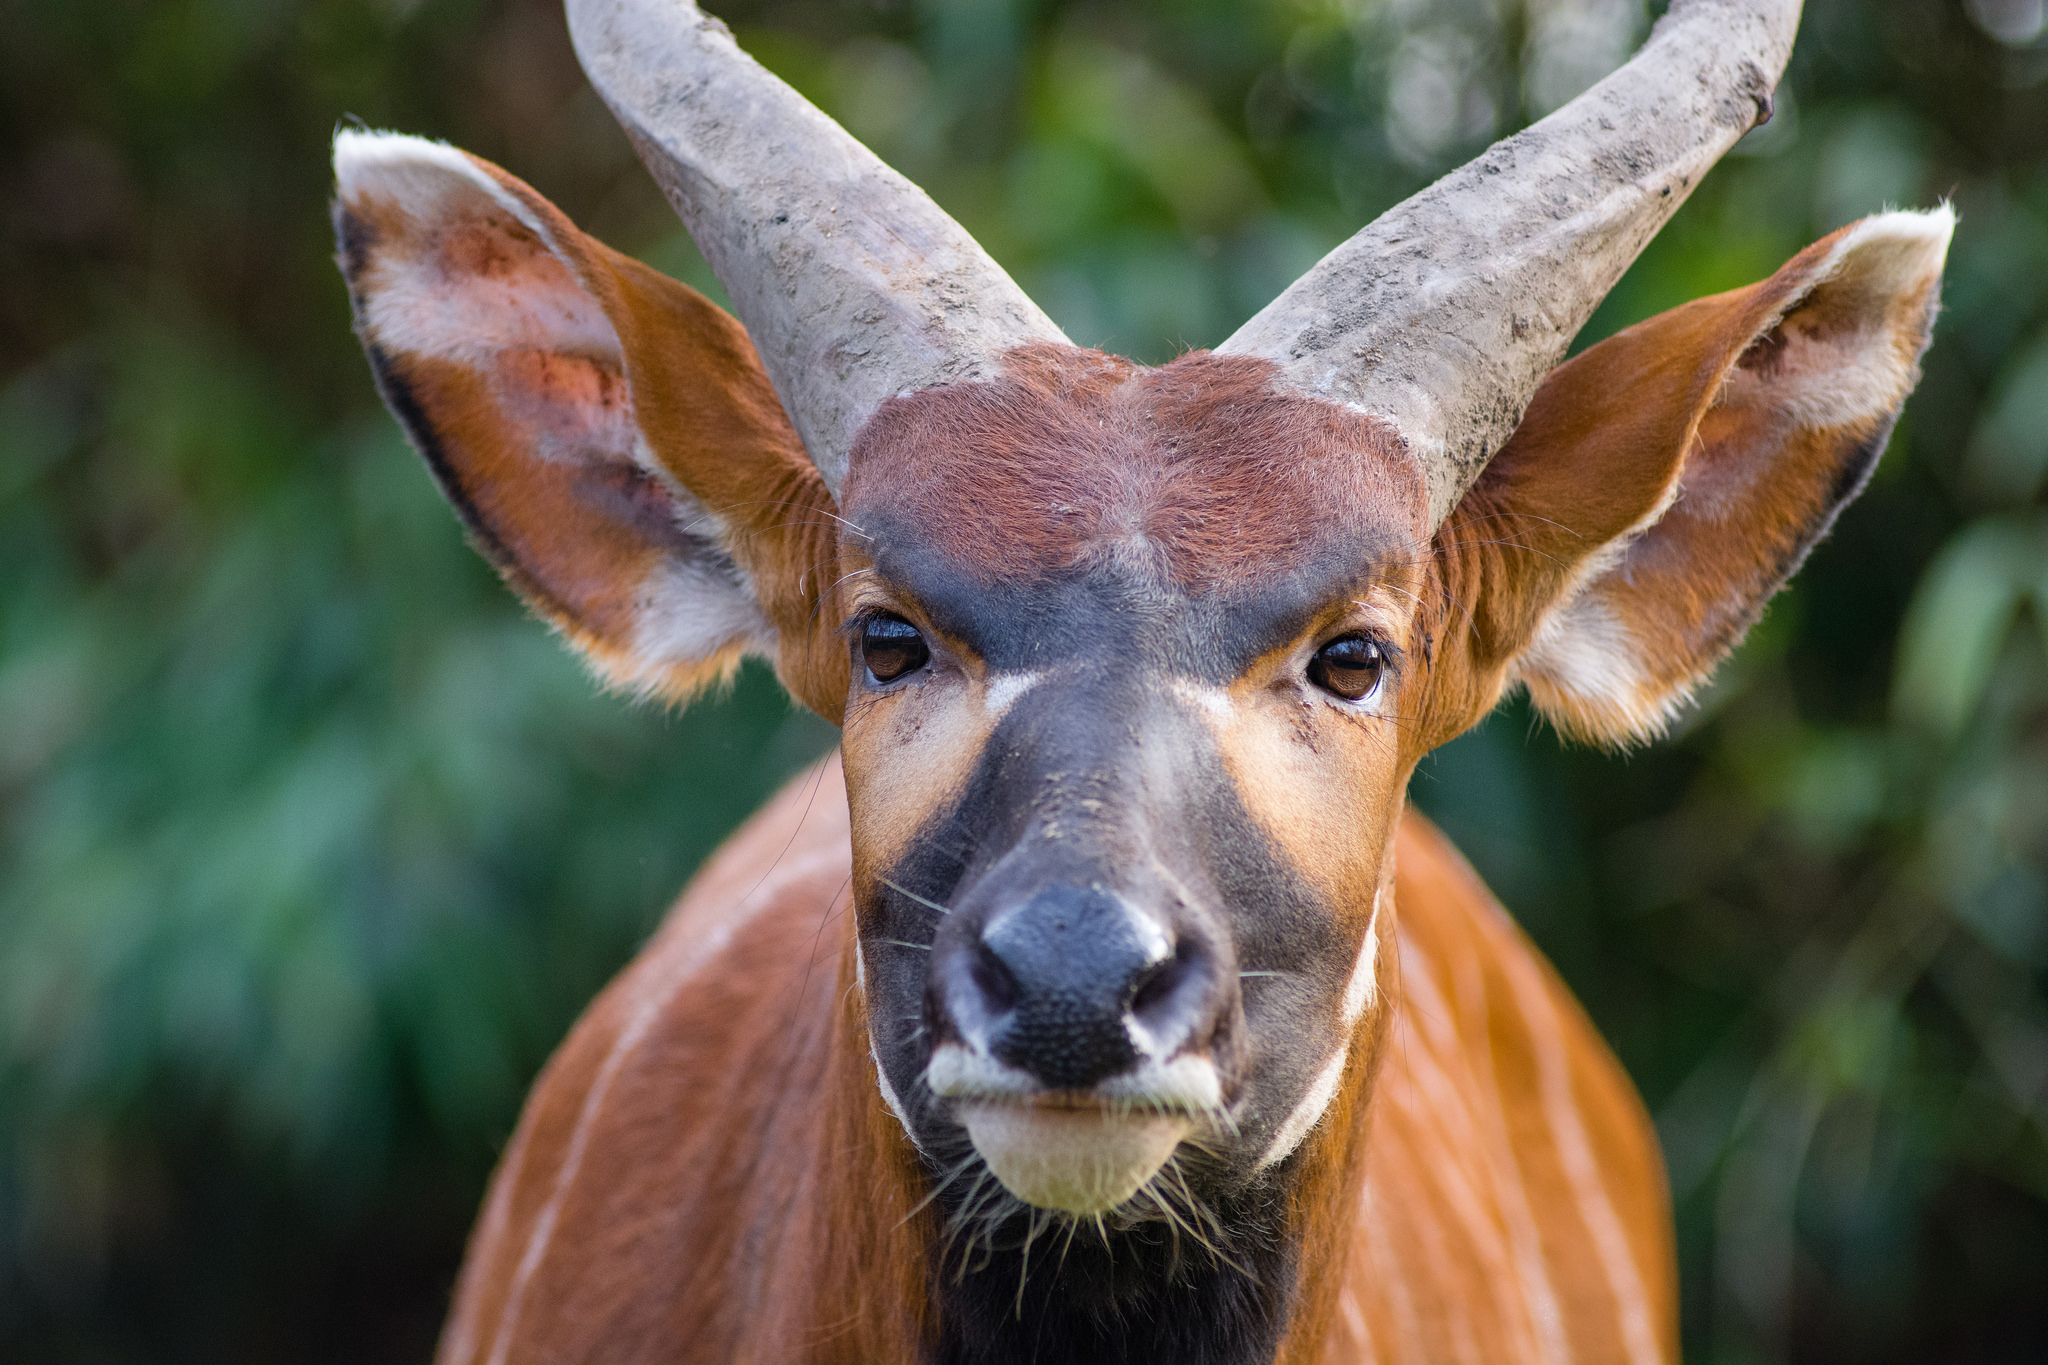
(2008, 450)
(1119, 101)
(1960, 616)
(1875, 159)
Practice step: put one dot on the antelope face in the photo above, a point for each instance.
(1130, 654)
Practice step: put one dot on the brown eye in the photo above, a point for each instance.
(1349, 667)
(891, 647)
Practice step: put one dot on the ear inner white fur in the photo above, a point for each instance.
(1840, 385)
(451, 268)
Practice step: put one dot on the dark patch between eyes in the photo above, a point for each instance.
(1102, 614)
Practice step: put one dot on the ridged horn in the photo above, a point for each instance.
(1445, 314)
(853, 284)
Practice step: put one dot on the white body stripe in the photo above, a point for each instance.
(1575, 1155)
(649, 1004)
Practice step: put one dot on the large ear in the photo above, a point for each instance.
(607, 434)
(1667, 481)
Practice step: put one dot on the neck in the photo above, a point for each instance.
(1030, 1288)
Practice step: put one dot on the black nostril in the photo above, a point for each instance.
(1170, 993)
(994, 981)
(1155, 984)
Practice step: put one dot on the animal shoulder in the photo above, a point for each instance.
(1500, 1218)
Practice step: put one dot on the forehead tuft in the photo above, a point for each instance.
(1201, 474)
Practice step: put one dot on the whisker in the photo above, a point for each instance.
(789, 502)
(904, 890)
(965, 1165)
(1073, 1226)
(1040, 1220)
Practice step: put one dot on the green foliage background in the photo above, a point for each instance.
(311, 844)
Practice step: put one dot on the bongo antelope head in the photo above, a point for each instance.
(1133, 663)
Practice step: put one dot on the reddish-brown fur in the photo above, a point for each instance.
(707, 1171)
(744, 1196)
(1073, 458)
(576, 535)
(1461, 1100)
(1699, 402)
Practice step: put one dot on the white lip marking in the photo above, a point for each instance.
(1004, 690)
(955, 1072)
(1364, 986)
(1085, 1160)
(1306, 1114)
(1187, 1083)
